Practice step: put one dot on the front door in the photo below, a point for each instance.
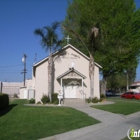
(70, 91)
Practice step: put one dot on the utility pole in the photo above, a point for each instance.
(24, 70)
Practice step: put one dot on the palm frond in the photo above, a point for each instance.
(48, 29)
(55, 25)
(49, 36)
(58, 43)
(39, 32)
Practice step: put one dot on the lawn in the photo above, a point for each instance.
(121, 106)
(19, 122)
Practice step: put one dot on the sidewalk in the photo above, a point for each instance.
(112, 126)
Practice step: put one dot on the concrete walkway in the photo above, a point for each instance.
(112, 126)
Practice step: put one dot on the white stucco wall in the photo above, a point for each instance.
(41, 80)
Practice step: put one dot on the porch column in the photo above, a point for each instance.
(82, 84)
(61, 85)
(82, 89)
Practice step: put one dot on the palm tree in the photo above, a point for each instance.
(49, 41)
(92, 37)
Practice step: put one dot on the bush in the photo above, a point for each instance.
(45, 99)
(15, 95)
(4, 101)
(38, 102)
(56, 102)
(32, 101)
(88, 100)
(95, 100)
(54, 98)
(101, 99)
(102, 96)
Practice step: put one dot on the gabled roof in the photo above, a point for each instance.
(69, 71)
(69, 45)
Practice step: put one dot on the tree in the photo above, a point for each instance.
(116, 47)
(49, 41)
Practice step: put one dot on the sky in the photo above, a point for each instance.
(18, 20)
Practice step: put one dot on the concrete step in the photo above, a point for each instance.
(76, 103)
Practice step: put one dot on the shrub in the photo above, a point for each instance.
(95, 100)
(56, 102)
(45, 99)
(88, 100)
(38, 102)
(102, 96)
(54, 98)
(4, 101)
(101, 99)
(32, 101)
(15, 95)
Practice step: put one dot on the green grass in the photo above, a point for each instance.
(19, 122)
(121, 106)
(122, 99)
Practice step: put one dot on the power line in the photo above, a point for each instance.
(13, 72)
(7, 67)
(10, 69)
(11, 65)
(9, 72)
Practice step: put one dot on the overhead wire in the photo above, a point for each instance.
(11, 66)
(3, 68)
(8, 68)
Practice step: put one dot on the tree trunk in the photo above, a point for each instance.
(50, 71)
(93, 34)
(103, 86)
(91, 76)
(127, 83)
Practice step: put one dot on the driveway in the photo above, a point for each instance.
(112, 126)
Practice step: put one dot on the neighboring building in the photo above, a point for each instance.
(27, 91)
(10, 88)
(71, 75)
(135, 87)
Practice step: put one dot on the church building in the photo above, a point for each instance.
(70, 75)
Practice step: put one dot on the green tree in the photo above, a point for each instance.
(116, 47)
(116, 81)
(49, 41)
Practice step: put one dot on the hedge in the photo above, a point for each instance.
(4, 101)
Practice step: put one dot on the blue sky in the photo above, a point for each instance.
(18, 20)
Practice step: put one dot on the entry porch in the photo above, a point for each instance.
(72, 84)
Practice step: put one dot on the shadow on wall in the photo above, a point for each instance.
(6, 110)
